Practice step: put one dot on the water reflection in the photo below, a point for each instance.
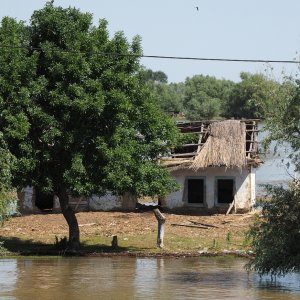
(288, 283)
(140, 278)
(8, 276)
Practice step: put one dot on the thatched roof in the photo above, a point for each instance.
(225, 146)
(229, 143)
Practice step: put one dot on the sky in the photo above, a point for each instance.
(232, 29)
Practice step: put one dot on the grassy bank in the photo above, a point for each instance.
(136, 233)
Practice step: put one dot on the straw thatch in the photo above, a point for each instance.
(174, 164)
(225, 146)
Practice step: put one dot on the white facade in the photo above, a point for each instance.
(240, 183)
(206, 186)
(108, 202)
(26, 203)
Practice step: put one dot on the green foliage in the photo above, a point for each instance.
(276, 236)
(75, 112)
(169, 96)
(147, 75)
(190, 138)
(283, 119)
(6, 196)
(206, 97)
(3, 250)
(251, 97)
(229, 237)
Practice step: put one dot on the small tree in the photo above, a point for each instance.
(75, 113)
(276, 237)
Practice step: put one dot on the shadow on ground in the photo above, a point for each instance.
(187, 211)
(16, 246)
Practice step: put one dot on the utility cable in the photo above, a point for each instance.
(161, 56)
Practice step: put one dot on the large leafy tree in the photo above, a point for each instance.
(75, 112)
(248, 96)
(170, 96)
(147, 75)
(206, 97)
(276, 236)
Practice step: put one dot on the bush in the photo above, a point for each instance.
(7, 199)
(276, 236)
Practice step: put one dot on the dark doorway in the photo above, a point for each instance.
(43, 201)
(225, 190)
(195, 188)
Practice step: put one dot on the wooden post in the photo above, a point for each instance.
(161, 219)
(77, 204)
(232, 205)
(114, 242)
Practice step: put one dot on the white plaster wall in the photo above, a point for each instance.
(243, 189)
(252, 185)
(105, 203)
(56, 204)
(242, 184)
(28, 201)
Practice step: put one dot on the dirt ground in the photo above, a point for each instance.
(136, 231)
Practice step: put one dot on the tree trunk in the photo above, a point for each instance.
(69, 214)
(161, 219)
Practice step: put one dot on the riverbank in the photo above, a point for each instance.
(185, 235)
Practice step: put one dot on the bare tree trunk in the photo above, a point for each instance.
(69, 214)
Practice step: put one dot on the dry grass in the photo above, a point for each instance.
(225, 146)
(136, 232)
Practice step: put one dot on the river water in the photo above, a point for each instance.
(278, 168)
(139, 278)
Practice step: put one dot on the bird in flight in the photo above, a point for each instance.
(197, 7)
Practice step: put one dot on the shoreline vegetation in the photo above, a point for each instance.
(186, 235)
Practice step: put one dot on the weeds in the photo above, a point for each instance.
(3, 250)
(229, 237)
(61, 244)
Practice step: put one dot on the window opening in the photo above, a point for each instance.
(195, 188)
(225, 190)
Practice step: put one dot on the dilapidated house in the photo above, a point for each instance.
(214, 166)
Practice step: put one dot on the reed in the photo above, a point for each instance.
(225, 146)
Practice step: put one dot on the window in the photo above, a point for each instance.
(225, 190)
(195, 190)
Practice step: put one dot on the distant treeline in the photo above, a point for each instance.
(206, 97)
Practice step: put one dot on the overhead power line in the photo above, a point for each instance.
(294, 61)
(224, 59)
